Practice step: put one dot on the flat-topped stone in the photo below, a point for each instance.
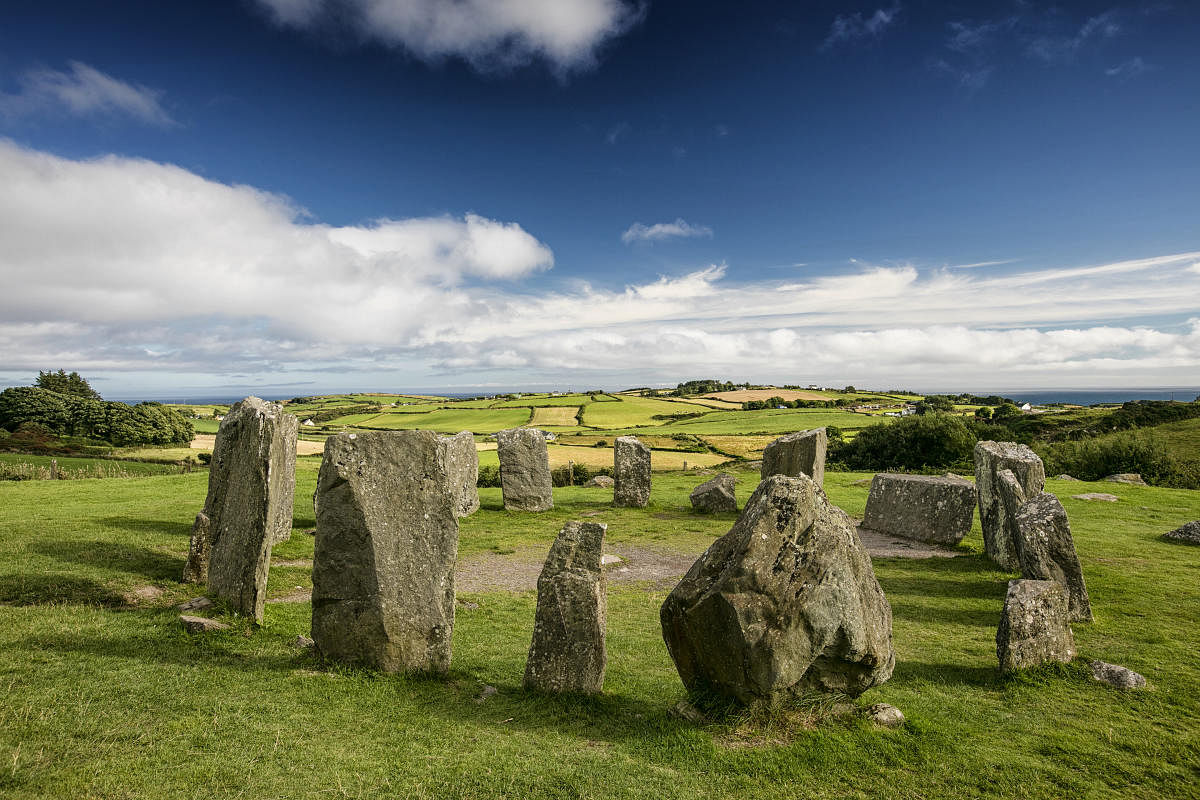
(383, 559)
(715, 495)
(995, 514)
(462, 462)
(525, 482)
(631, 469)
(927, 508)
(1034, 628)
(797, 454)
(785, 602)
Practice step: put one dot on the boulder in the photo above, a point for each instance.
(1065, 477)
(715, 495)
(462, 462)
(1189, 533)
(1033, 627)
(926, 508)
(991, 458)
(885, 715)
(600, 482)
(1130, 478)
(194, 624)
(383, 560)
(797, 454)
(567, 651)
(251, 482)
(1047, 552)
(525, 470)
(784, 603)
(1117, 676)
(631, 468)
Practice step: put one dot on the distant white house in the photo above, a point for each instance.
(309, 423)
(1027, 408)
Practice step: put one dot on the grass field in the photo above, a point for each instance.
(632, 411)
(767, 421)
(603, 457)
(453, 420)
(555, 416)
(83, 467)
(105, 697)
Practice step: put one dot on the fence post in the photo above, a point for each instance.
(570, 473)
(54, 469)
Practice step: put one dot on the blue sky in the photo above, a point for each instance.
(317, 195)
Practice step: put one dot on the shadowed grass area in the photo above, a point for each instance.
(104, 697)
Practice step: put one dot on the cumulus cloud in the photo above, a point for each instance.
(855, 27)
(679, 229)
(126, 265)
(83, 91)
(488, 34)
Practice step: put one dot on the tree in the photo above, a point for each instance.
(69, 384)
(983, 412)
(933, 403)
(935, 440)
(1005, 411)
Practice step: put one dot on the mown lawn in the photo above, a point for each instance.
(106, 697)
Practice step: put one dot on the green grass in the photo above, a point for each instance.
(632, 411)
(107, 699)
(765, 421)
(88, 465)
(453, 420)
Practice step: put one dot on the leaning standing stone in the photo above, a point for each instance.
(1034, 627)
(922, 507)
(715, 495)
(196, 568)
(990, 459)
(462, 461)
(567, 652)
(1047, 552)
(797, 454)
(383, 560)
(251, 482)
(631, 467)
(784, 603)
(525, 470)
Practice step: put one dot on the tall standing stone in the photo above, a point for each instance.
(927, 508)
(383, 560)
(251, 483)
(525, 470)
(462, 462)
(783, 603)
(567, 652)
(1034, 627)
(990, 459)
(196, 568)
(631, 468)
(1047, 552)
(797, 454)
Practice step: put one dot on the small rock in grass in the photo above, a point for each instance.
(600, 482)
(303, 642)
(201, 624)
(1098, 496)
(467, 605)
(688, 713)
(1189, 533)
(195, 604)
(487, 692)
(1117, 676)
(1065, 477)
(608, 559)
(1131, 478)
(886, 715)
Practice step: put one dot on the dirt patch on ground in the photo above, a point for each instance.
(206, 441)
(884, 545)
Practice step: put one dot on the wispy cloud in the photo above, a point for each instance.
(679, 229)
(847, 28)
(1129, 68)
(126, 265)
(83, 91)
(971, 79)
(617, 132)
(1057, 49)
(978, 264)
(489, 35)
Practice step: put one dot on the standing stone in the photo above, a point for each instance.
(990, 459)
(784, 603)
(1188, 533)
(525, 470)
(462, 461)
(715, 495)
(1047, 552)
(251, 482)
(1011, 497)
(1034, 627)
(797, 454)
(567, 652)
(196, 568)
(383, 560)
(926, 508)
(631, 468)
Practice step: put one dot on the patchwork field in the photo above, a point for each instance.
(105, 696)
(555, 416)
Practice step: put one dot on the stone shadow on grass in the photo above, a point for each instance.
(41, 589)
(156, 526)
(944, 674)
(137, 560)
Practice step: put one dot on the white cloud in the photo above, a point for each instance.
(854, 27)
(1129, 68)
(679, 229)
(1054, 49)
(84, 91)
(488, 34)
(129, 266)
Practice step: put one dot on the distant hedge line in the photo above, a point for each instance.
(119, 424)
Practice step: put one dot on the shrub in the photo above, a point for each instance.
(1143, 452)
(908, 443)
